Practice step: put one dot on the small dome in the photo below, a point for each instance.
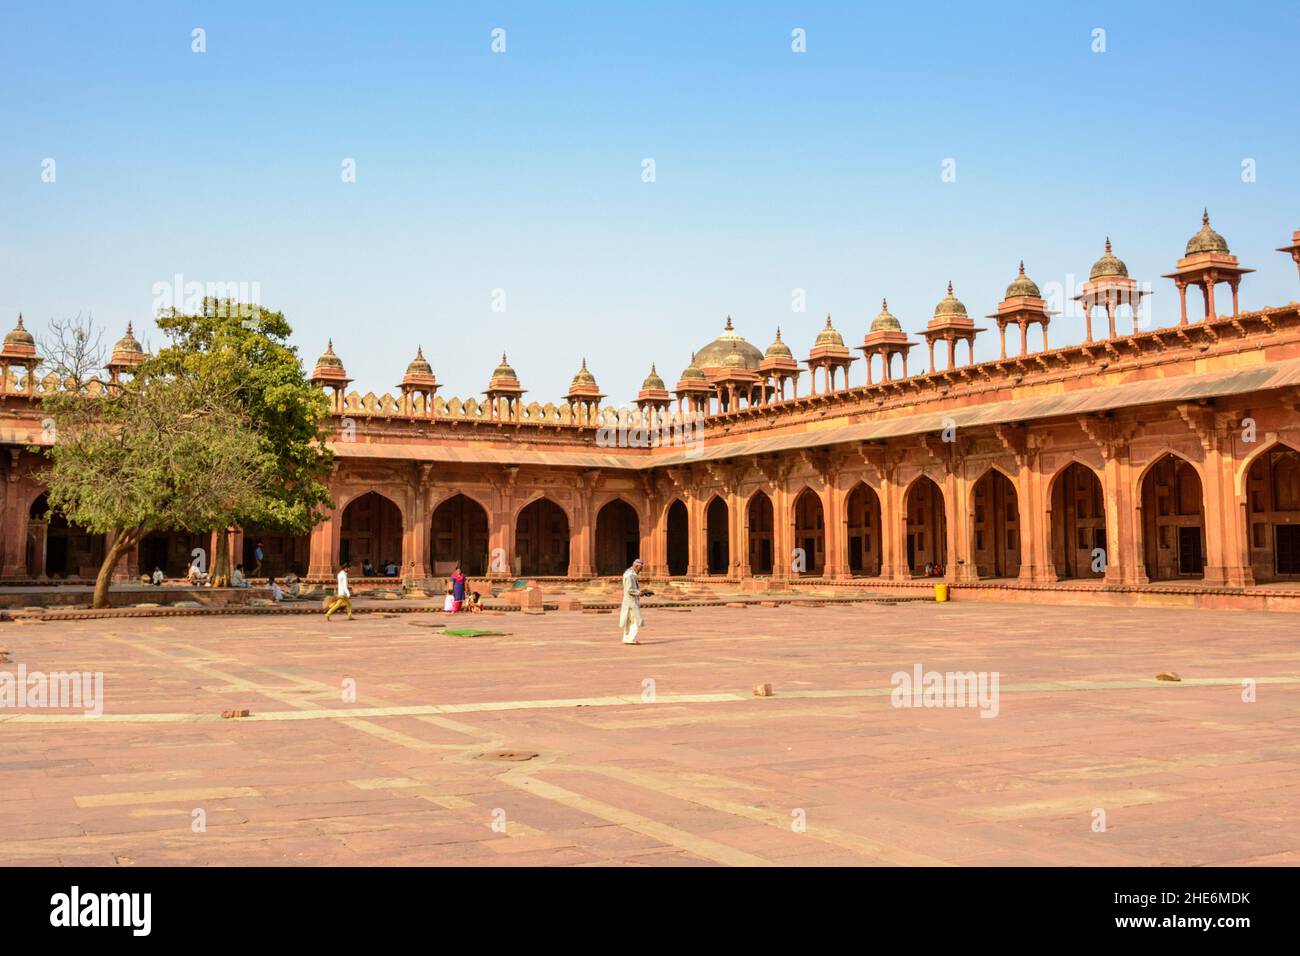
(20, 336)
(652, 381)
(949, 306)
(329, 360)
(734, 360)
(885, 322)
(713, 354)
(1207, 240)
(419, 365)
(1108, 266)
(778, 349)
(503, 370)
(1022, 285)
(582, 378)
(828, 337)
(693, 373)
(127, 345)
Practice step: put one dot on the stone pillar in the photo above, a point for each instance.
(697, 562)
(741, 552)
(324, 547)
(782, 531)
(961, 561)
(416, 545)
(1124, 564)
(834, 504)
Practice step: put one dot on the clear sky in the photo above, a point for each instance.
(522, 171)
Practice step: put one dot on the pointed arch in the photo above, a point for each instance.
(459, 535)
(808, 516)
(1173, 519)
(618, 536)
(717, 535)
(927, 526)
(760, 525)
(371, 530)
(541, 539)
(995, 524)
(865, 530)
(1078, 521)
(1270, 482)
(677, 527)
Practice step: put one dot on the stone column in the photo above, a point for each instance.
(324, 547)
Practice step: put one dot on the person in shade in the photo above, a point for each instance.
(237, 578)
(629, 616)
(457, 588)
(342, 596)
(158, 576)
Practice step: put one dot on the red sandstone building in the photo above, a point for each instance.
(1126, 462)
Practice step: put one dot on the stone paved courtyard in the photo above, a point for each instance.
(705, 773)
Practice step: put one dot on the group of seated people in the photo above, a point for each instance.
(387, 570)
(933, 570)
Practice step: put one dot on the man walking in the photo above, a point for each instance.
(629, 616)
(342, 596)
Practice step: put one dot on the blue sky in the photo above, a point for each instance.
(522, 171)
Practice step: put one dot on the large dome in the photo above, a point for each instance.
(1207, 240)
(1108, 265)
(714, 354)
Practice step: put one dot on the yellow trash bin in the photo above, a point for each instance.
(941, 592)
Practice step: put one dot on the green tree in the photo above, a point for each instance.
(244, 351)
(160, 453)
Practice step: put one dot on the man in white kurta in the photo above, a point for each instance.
(629, 616)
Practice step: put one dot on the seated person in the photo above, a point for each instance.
(277, 592)
(237, 579)
(367, 569)
(475, 603)
(929, 569)
(390, 569)
(195, 576)
(295, 586)
(157, 576)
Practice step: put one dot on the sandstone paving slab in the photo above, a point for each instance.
(703, 775)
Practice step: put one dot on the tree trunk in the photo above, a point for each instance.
(123, 542)
(221, 560)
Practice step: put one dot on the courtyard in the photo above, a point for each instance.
(384, 740)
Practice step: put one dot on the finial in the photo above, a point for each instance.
(728, 325)
(419, 351)
(20, 320)
(692, 358)
(128, 326)
(884, 305)
(1022, 266)
(778, 333)
(828, 320)
(1205, 216)
(950, 287)
(584, 363)
(1108, 245)
(329, 347)
(503, 358)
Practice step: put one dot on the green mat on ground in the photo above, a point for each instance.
(474, 632)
